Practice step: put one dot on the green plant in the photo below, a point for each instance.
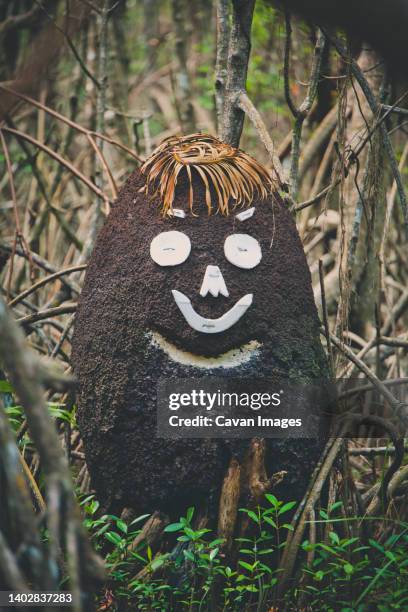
(339, 574)
(348, 575)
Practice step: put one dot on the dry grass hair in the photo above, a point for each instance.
(236, 178)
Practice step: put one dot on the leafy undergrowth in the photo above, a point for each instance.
(356, 563)
(339, 573)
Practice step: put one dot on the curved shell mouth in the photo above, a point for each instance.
(211, 326)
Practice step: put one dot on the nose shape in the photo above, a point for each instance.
(213, 282)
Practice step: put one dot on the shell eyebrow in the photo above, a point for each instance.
(177, 212)
(245, 214)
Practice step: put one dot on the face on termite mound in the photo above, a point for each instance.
(210, 283)
(242, 276)
(210, 301)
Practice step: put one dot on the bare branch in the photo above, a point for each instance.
(97, 212)
(247, 106)
(45, 314)
(316, 198)
(183, 90)
(70, 44)
(237, 68)
(303, 112)
(395, 109)
(375, 108)
(60, 159)
(13, 22)
(286, 65)
(22, 369)
(223, 33)
(43, 264)
(44, 281)
(400, 409)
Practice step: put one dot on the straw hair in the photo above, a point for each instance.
(232, 175)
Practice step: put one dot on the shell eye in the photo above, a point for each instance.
(170, 248)
(243, 251)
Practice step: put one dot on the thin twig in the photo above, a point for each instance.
(325, 317)
(303, 111)
(247, 106)
(286, 64)
(292, 546)
(395, 109)
(43, 264)
(316, 198)
(375, 108)
(44, 281)
(400, 408)
(45, 314)
(70, 122)
(71, 45)
(58, 157)
(373, 451)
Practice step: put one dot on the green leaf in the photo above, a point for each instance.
(122, 526)
(190, 513)
(327, 548)
(102, 530)
(243, 540)
(113, 537)
(5, 387)
(318, 576)
(173, 527)
(266, 551)
(348, 568)
(286, 507)
(272, 500)
(189, 555)
(349, 541)
(139, 518)
(246, 551)
(376, 545)
(287, 526)
(270, 521)
(334, 537)
(201, 532)
(156, 563)
(266, 568)
(217, 541)
(137, 556)
(246, 565)
(253, 516)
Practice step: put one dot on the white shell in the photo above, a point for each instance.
(177, 212)
(170, 248)
(211, 326)
(213, 282)
(242, 251)
(245, 214)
